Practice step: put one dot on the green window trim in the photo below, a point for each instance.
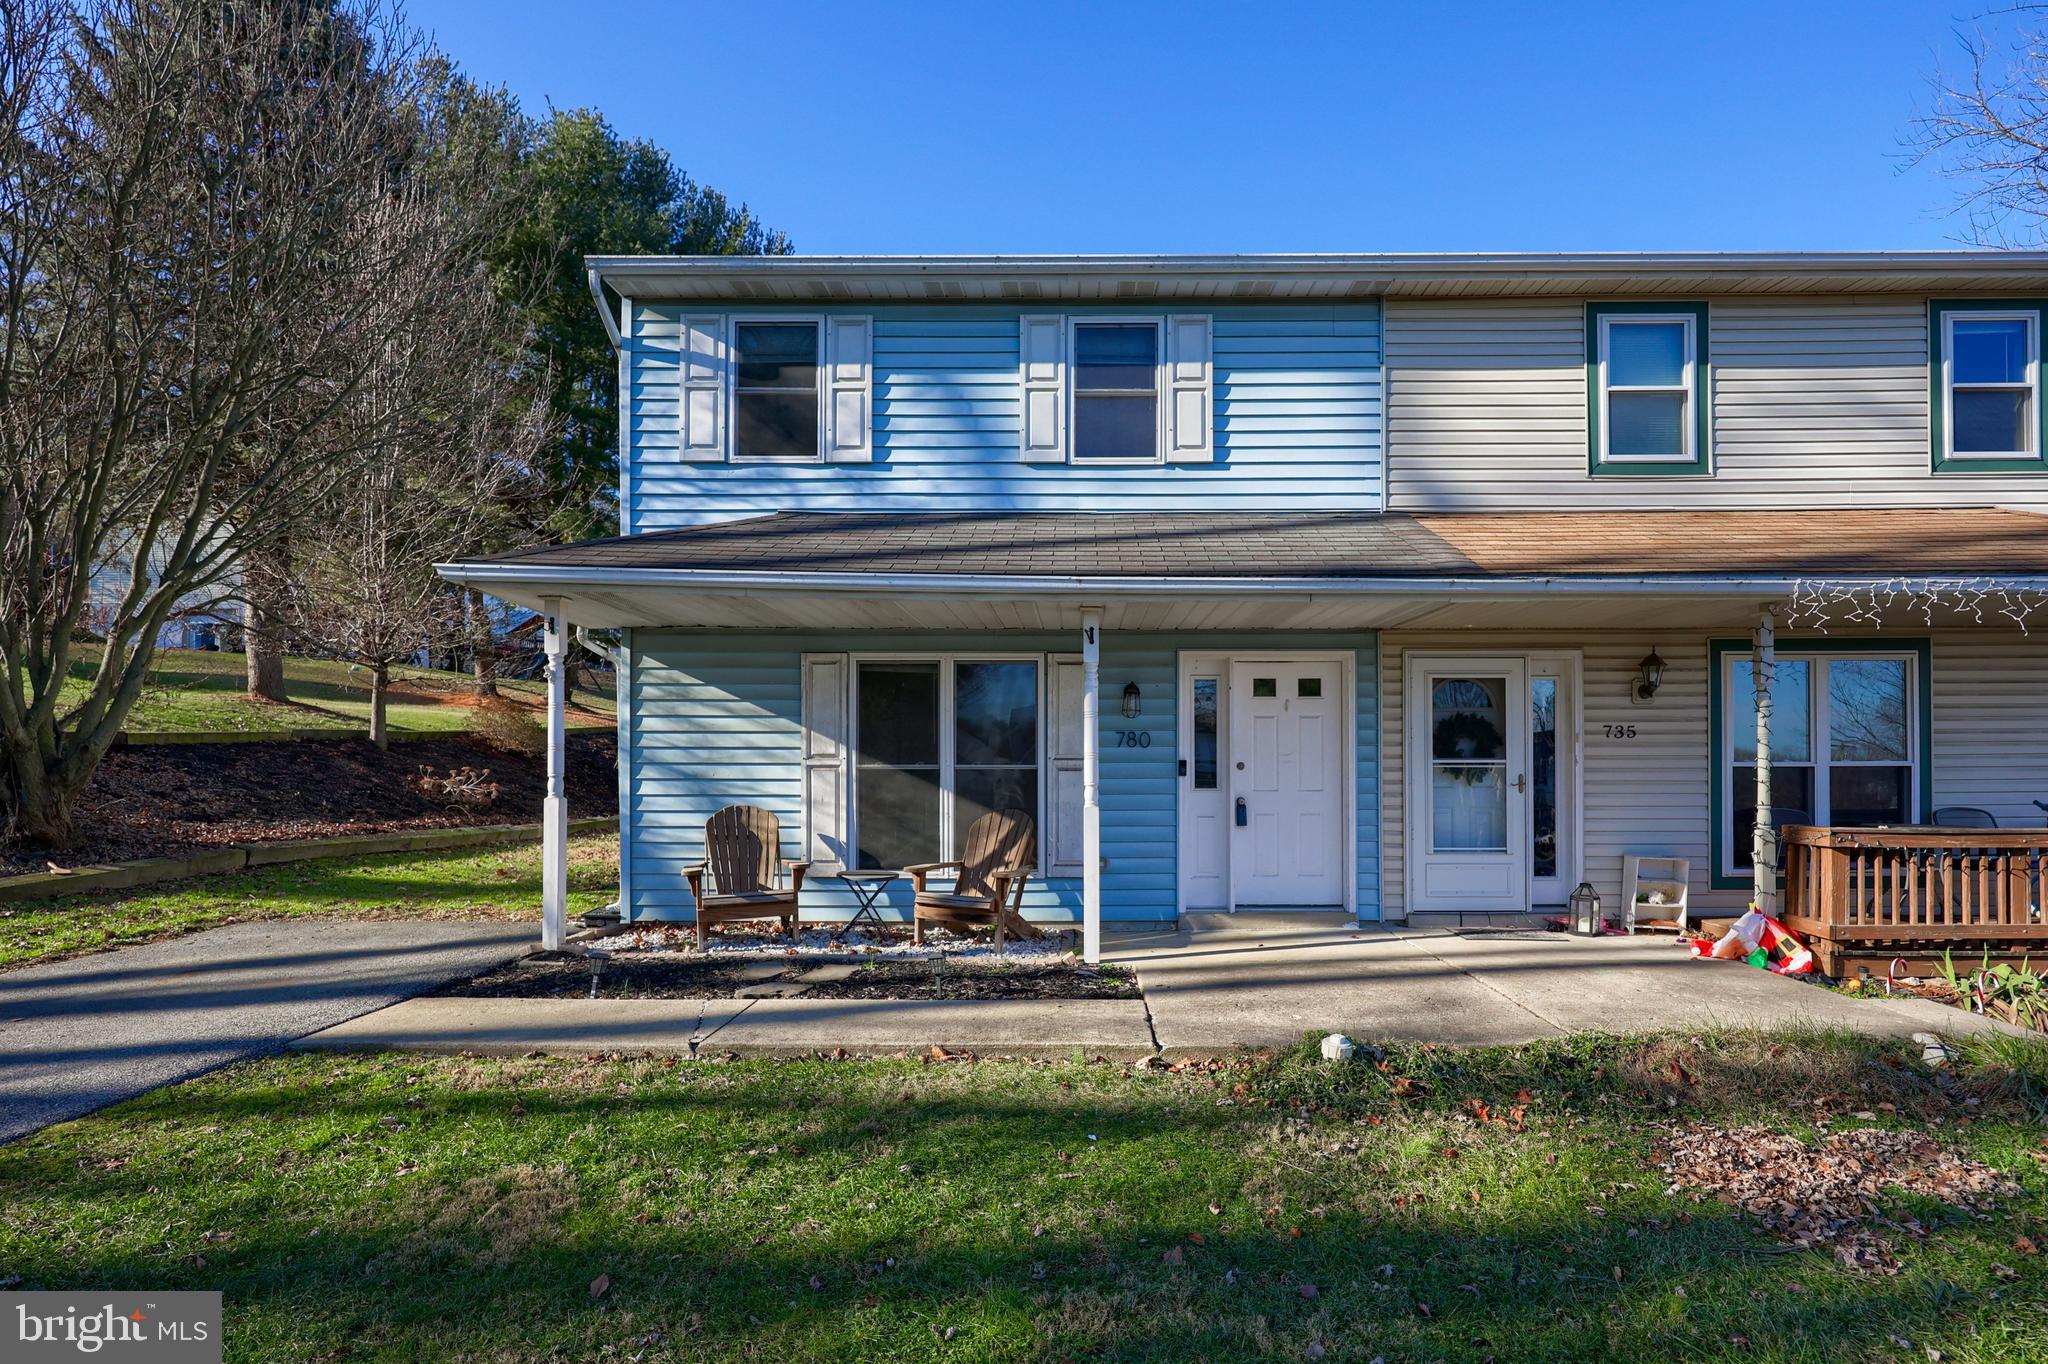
(1939, 460)
(1701, 463)
(1717, 704)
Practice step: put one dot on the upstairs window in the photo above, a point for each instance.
(1646, 388)
(1987, 382)
(776, 371)
(1116, 391)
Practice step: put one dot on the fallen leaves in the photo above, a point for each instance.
(599, 1286)
(1827, 1195)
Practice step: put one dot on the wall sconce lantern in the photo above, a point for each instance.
(1649, 676)
(1585, 917)
(1131, 707)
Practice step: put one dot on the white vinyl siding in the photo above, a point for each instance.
(1650, 794)
(1817, 402)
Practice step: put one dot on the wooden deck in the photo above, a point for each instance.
(1864, 896)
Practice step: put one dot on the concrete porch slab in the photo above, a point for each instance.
(1049, 1029)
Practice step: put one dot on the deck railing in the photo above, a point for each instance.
(1925, 888)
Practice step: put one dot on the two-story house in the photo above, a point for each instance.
(1395, 584)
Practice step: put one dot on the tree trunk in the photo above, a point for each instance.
(380, 682)
(264, 649)
(483, 648)
(37, 810)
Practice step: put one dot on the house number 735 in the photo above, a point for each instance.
(1618, 731)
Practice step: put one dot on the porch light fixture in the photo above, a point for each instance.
(1649, 675)
(1584, 906)
(1131, 706)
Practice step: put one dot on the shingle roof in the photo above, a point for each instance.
(1335, 545)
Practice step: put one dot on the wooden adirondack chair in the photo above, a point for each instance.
(1002, 846)
(743, 851)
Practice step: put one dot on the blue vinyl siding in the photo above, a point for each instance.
(1297, 425)
(715, 719)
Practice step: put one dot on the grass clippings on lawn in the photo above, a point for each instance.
(468, 883)
(395, 1208)
(675, 975)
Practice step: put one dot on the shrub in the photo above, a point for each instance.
(510, 730)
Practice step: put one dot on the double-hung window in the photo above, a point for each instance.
(1847, 741)
(939, 742)
(1116, 392)
(775, 394)
(1987, 387)
(1647, 389)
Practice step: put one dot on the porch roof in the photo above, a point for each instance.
(1311, 557)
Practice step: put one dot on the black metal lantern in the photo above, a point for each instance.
(1130, 700)
(1586, 920)
(1649, 675)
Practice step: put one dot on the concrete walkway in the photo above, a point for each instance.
(79, 1034)
(1051, 1029)
(1263, 980)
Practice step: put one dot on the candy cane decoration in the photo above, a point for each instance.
(1893, 972)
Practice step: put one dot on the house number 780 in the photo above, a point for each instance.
(1134, 738)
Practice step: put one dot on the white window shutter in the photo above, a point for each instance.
(849, 390)
(702, 404)
(1042, 374)
(1190, 370)
(825, 786)
(1061, 849)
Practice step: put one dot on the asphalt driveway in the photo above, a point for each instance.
(77, 1035)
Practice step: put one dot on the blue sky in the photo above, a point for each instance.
(1056, 127)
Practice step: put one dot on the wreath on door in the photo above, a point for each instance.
(1466, 734)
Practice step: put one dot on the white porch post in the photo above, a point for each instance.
(1763, 848)
(1091, 783)
(554, 819)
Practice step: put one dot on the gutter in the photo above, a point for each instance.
(592, 275)
(967, 584)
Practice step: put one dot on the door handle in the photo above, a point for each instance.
(1521, 784)
(1243, 816)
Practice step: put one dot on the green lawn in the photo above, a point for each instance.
(466, 883)
(196, 690)
(413, 1209)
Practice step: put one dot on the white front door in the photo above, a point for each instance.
(1286, 784)
(1468, 782)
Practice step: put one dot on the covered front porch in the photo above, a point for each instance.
(729, 627)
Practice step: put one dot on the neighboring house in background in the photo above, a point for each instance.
(200, 620)
(1381, 555)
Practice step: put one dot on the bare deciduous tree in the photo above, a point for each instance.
(210, 243)
(1988, 128)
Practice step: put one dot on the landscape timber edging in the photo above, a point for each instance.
(213, 861)
(157, 738)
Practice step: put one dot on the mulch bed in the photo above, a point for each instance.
(666, 976)
(1827, 1195)
(167, 800)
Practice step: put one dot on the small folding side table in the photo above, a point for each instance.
(867, 888)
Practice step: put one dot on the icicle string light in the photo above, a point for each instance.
(1817, 604)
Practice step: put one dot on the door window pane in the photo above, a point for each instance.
(1205, 734)
(1867, 710)
(896, 777)
(1467, 720)
(1265, 686)
(1646, 354)
(775, 391)
(1791, 711)
(1543, 774)
(1469, 807)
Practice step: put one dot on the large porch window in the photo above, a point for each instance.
(1846, 743)
(939, 742)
